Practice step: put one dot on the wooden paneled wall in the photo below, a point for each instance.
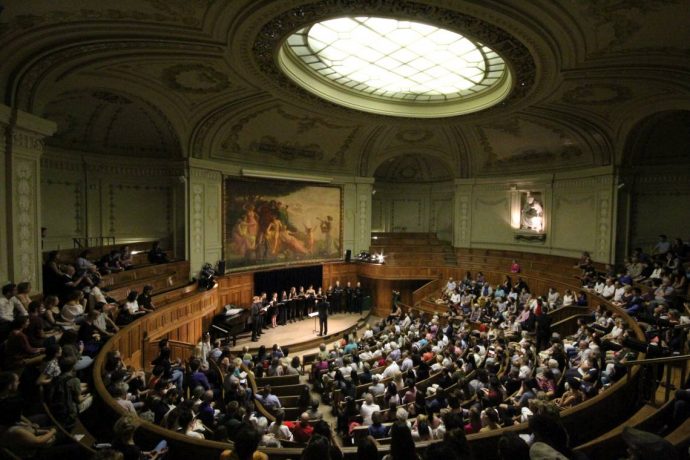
(183, 320)
(236, 289)
(339, 271)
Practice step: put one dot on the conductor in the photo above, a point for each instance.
(322, 306)
(255, 318)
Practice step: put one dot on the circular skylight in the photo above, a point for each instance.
(395, 67)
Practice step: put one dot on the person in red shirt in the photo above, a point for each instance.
(515, 267)
(303, 430)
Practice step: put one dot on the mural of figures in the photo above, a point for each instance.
(531, 212)
(269, 221)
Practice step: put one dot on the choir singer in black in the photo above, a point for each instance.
(322, 307)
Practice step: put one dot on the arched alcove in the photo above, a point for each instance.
(654, 184)
(661, 139)
(414, 193)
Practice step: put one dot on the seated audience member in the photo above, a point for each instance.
(17, 346)
(368, 408)
(72, 348)
(96, 296)
(130, 310)
(313, 411)
(172, 370)
(104, 323)
(198, 377)
(10, 306)
(52, 309)
(246, 442)
(69, 397)
(145, 300)
(377, 429)
(22, 295)
(40, 332)
(661, 247)
(190, 425)
(302, 430)
(157, 255)
(206, 411)
(268, 399)
(280, 431)
(123, 440)
(90, 335)
(72, 311)
(110, 262)
(50, 367)
(27, 440)
(125, 258)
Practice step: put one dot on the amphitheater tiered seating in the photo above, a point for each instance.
(463, 372)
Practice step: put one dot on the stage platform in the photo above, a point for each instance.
(300, 335)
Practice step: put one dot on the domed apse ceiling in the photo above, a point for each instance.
(663, 139)
(101, 121)
(205, 81)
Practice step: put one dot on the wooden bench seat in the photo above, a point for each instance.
(175, 275)
(139, 272)
(287, 390)
(278, 380)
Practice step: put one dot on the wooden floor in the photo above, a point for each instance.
(293, 334)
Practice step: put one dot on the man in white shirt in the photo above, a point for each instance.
(10, 304)
(377, 388)
(553, 298)
(662, 246)
(368, 408)
(6, 306)
(609, 289)
(618, 293)
(391, 369)
(450, 285)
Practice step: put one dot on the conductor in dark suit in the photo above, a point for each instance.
(322, 306)
(255, 317)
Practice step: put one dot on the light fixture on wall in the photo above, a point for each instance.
(260, 174)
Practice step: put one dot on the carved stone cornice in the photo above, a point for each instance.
(27, 141)
(205, 174)
(584, 182)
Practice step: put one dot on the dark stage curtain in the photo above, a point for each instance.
(283, 279)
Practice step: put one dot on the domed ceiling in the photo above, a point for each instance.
(202, 79)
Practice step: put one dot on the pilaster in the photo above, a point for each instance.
(205, 229)
(24, 134)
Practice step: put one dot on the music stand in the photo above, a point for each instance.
(314, 315)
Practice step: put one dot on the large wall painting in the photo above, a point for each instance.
(277, 222)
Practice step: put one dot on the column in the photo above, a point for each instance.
(205, 218)
(23, 146)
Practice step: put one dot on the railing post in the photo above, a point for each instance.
(144, 339)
